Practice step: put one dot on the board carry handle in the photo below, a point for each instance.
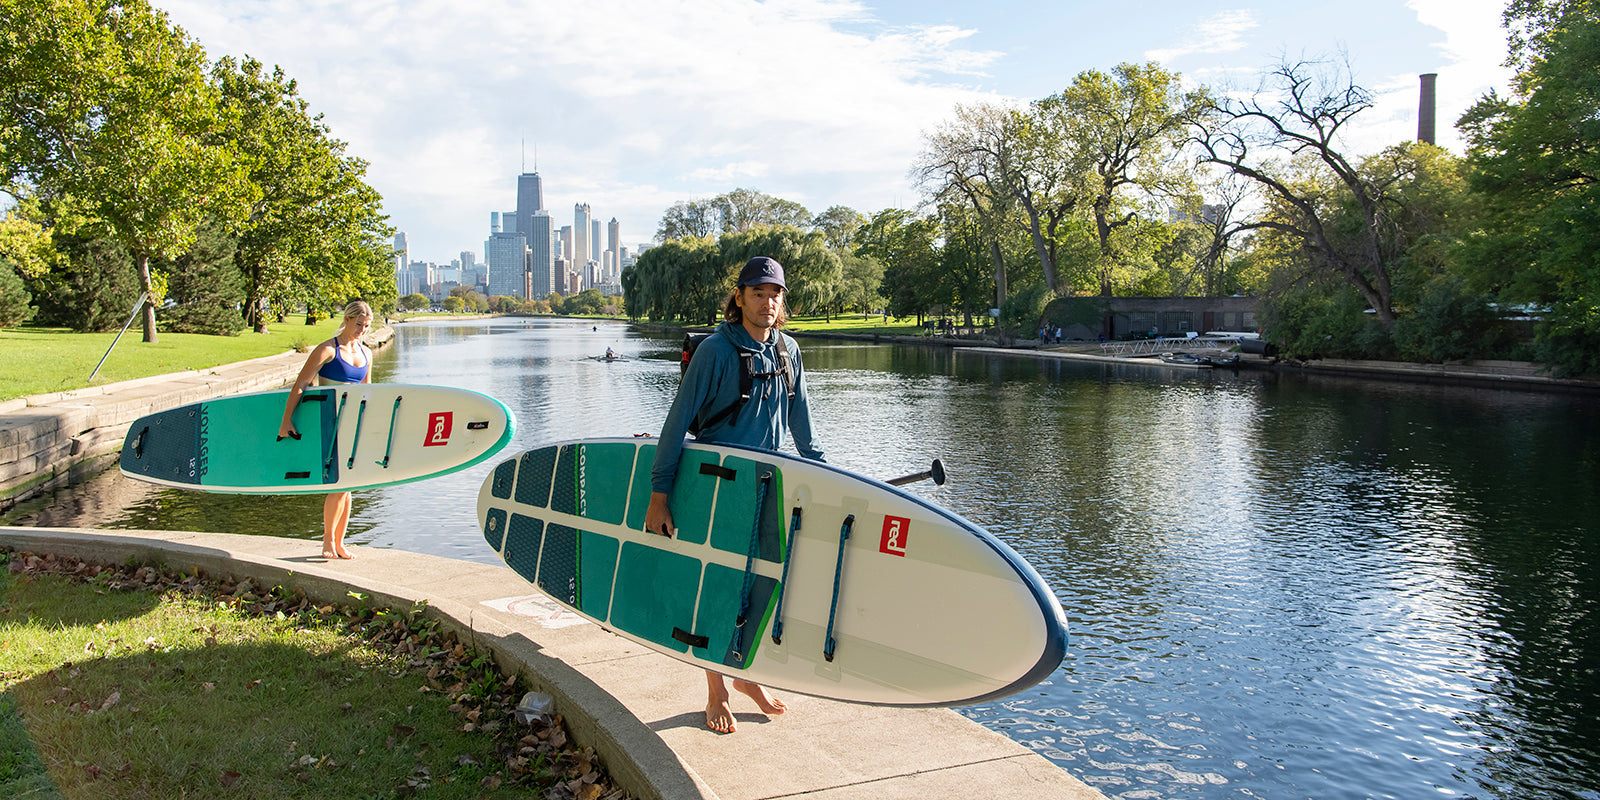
(389, 448)
(936, 472)
(355, 441)
(333, 441)
(750, 562)
(838, 572)
(304, 398)
(783, 582)
(138, 442)
(689, 638)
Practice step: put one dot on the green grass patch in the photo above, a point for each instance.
(133, 683)
(855, 323)
(57, 359)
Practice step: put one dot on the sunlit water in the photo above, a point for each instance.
(1278, 587)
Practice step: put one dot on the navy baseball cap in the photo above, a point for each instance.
(760, 270)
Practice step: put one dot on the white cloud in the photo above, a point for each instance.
(1220, 33)
(632, 104)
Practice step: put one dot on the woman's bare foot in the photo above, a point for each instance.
(768, 704)
(330, 555)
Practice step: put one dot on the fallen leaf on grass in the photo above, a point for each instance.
(228, 779)
(116, 697)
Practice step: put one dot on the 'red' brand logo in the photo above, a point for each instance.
(895, 532)
(439, 424)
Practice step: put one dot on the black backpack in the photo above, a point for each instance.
(747, 378)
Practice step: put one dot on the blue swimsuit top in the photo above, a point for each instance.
(338, 370)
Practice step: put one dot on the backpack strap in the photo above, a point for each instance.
(783, 364)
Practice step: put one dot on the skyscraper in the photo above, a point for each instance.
(614, 246)
(536, 232)
(541, 255)
(506, 256)
(581, 242)
(530, 200)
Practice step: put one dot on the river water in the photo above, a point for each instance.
(1278, 586)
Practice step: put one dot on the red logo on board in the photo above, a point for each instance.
(439, 424)
(895, 532)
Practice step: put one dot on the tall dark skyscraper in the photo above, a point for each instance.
(530, 199)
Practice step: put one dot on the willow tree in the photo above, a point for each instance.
(107, 102)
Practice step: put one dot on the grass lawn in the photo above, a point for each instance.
(855, 323)
(129, 682)
(39, 360)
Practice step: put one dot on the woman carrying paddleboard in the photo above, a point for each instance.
(744, 386)
(342, 359)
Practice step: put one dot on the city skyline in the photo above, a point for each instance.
(822, 102)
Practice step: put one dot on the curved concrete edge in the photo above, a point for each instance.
(637, 758)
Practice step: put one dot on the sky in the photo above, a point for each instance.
(632, 105)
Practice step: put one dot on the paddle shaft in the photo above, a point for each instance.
(936, 472)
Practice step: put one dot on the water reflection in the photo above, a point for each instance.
(1278, 586)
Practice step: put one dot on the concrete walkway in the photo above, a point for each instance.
(641, 711)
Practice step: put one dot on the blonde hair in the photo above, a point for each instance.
(357, 308)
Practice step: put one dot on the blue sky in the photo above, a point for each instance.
(632, 105)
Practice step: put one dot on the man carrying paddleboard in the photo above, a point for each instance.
(744, 386)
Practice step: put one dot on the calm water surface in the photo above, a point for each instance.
(1279, 587)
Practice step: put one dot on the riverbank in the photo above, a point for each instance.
(1500, 374)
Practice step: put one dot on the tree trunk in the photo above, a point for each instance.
(149, 315)
(999, 273)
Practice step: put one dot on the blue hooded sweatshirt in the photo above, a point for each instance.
(712, 384)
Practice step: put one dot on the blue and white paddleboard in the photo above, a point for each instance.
(784, 572)
(352, 436)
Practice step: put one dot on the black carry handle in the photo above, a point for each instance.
(936, 472)
(690, 639)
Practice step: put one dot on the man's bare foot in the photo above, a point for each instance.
(770, 705)
(719, 717)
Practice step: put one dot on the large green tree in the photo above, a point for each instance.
(1535, 163)
(1126, 129)
(315, 228)
(978, 158)
(107, 102)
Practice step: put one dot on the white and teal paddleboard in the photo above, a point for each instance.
(784, 572)
(352, 436)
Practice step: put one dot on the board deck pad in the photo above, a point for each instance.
(884, 598)
(354, 436)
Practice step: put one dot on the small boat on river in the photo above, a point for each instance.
(1188, 360)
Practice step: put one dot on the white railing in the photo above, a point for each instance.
(1172, 344)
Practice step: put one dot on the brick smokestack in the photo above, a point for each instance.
(1425, 108)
